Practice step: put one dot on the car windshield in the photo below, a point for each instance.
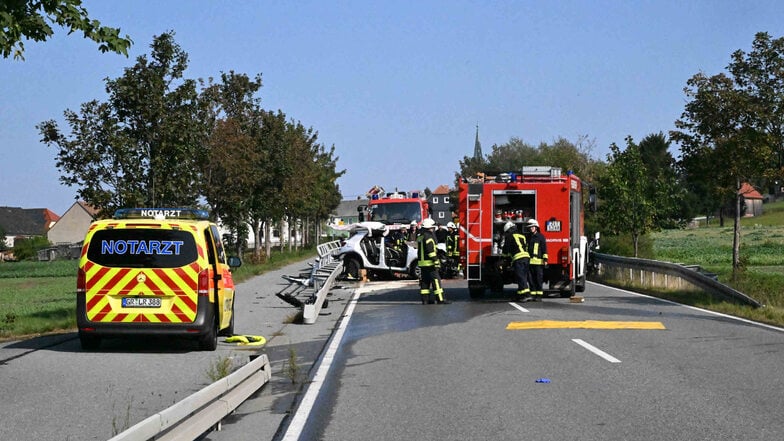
(396, 212)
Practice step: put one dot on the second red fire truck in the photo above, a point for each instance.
(554, 199)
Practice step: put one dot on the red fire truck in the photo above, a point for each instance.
(395, 208)
(555, 200)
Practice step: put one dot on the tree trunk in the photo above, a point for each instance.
(736, 235)
(636, 241)
(256, 224)
(267, 238)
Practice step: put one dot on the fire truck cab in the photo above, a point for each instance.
(543, 193)
(394, 208)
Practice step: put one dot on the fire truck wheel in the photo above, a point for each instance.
(476, 291)
(569, 292)
(352, 267)
(580, 284)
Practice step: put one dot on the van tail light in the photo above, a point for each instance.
(204, 283)
(81, 281)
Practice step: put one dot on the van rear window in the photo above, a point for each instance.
(141, 248)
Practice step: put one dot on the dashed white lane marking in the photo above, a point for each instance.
(518, 306)
(596, 351)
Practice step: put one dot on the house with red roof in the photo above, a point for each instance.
(752, 200)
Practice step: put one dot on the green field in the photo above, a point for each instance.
(761, 256)
(40, 297)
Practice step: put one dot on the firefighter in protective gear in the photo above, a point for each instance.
(516, 249)
(453, 248)
(430, 279)
(537, 248)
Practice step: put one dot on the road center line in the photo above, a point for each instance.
(518, 307)
(596, 351)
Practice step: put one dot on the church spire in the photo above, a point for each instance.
(477, 145)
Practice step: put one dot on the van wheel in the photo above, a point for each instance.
(352, 267)
(89, 342)
(229, 331)
(209, 341)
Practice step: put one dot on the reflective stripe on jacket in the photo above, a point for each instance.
(426, 249)
(537, 248)
(515, 246)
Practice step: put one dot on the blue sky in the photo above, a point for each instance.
(398, 87)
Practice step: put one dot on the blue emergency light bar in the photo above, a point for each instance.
(161, 213)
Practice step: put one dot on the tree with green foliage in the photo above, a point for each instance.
(234, 162)
(30, 20)
(636, 200)
(759, 76)
(731, 129)
(515, 154)
(661, 167)
(143, 147)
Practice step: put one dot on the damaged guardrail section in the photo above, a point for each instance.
(203, 410)
(326, 269)
(315, 284)
(657, 274)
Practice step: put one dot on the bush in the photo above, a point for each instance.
(623, 245)
(27, 249)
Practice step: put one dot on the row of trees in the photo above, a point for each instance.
(162, 139)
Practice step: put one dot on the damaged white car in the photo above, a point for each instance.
(371, 247)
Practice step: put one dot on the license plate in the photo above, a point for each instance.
(141, 302)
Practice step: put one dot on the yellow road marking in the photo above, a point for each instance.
(586, 324)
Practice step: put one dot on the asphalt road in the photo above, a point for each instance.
(475, 371)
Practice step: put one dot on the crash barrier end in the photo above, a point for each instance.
(203, 410)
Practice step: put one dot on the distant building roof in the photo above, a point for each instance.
(441, 189)
(18, 221)
(749, 192)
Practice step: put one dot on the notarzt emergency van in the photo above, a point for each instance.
(151, 271)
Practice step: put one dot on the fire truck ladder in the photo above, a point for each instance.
(474, 233)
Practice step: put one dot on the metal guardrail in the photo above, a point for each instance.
(203, 410)
(327, 268)
(316, 283)
(655, 273)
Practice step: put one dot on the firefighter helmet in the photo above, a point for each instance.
(508, 226)
(533, 223)
(450, 225)
(428, 223)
